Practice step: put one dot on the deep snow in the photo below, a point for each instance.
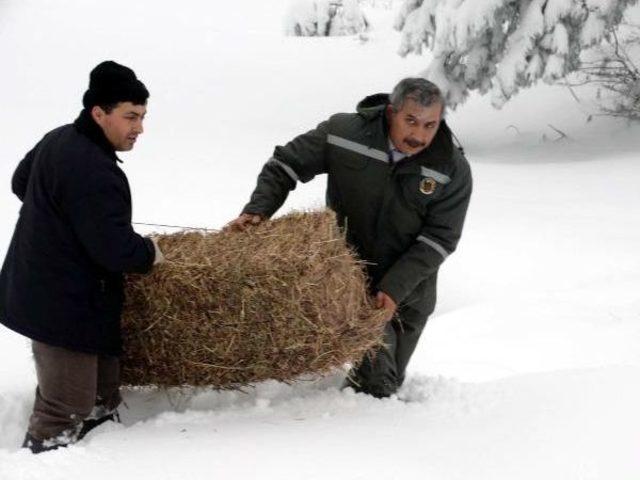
(530, 367)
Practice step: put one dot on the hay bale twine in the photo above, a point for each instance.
(232, 308)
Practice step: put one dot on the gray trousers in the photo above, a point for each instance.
(382, 373)
(70, 385)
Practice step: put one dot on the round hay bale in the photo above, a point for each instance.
(227, 309)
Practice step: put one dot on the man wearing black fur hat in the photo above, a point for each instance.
(61, 284)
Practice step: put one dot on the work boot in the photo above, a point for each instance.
(64, 439)
(35, 445)
(383, 390)
(98, 416)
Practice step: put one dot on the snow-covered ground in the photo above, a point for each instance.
(530, 367)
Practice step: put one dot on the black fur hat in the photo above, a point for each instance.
(110, 83)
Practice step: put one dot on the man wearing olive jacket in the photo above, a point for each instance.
(61, 284)
(401, 189)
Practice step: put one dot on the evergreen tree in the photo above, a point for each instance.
(501, 46)
(320, 18)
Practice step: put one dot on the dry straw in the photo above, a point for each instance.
(228, 309)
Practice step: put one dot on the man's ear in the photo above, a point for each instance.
(98, 114)
(389, 111)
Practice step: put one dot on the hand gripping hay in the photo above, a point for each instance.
(282, 299)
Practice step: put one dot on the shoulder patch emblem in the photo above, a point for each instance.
(427, 186)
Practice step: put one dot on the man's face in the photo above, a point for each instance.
(122, 125)
(413, 127)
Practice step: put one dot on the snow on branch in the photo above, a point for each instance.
(325, 18)
(615, 70)
(501, 46)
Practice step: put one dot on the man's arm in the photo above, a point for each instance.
(98, 211)
(20, 178)
(299, 160)
(438, 239)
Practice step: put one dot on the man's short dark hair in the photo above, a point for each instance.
(420, 90)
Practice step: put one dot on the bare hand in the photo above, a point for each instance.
(243, 221)
(159, 257)
(385, 301)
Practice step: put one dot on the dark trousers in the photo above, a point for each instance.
(71, 386)
(382, 373)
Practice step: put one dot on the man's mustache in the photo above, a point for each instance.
(413, 143)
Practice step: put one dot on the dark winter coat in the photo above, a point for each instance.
(61, 282)
(404, 218)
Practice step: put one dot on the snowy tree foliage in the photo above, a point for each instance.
(614, 67)
(501, 46)
(311, 18)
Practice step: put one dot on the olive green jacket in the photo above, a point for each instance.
(404, 218)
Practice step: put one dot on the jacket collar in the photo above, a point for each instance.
(89, 128)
